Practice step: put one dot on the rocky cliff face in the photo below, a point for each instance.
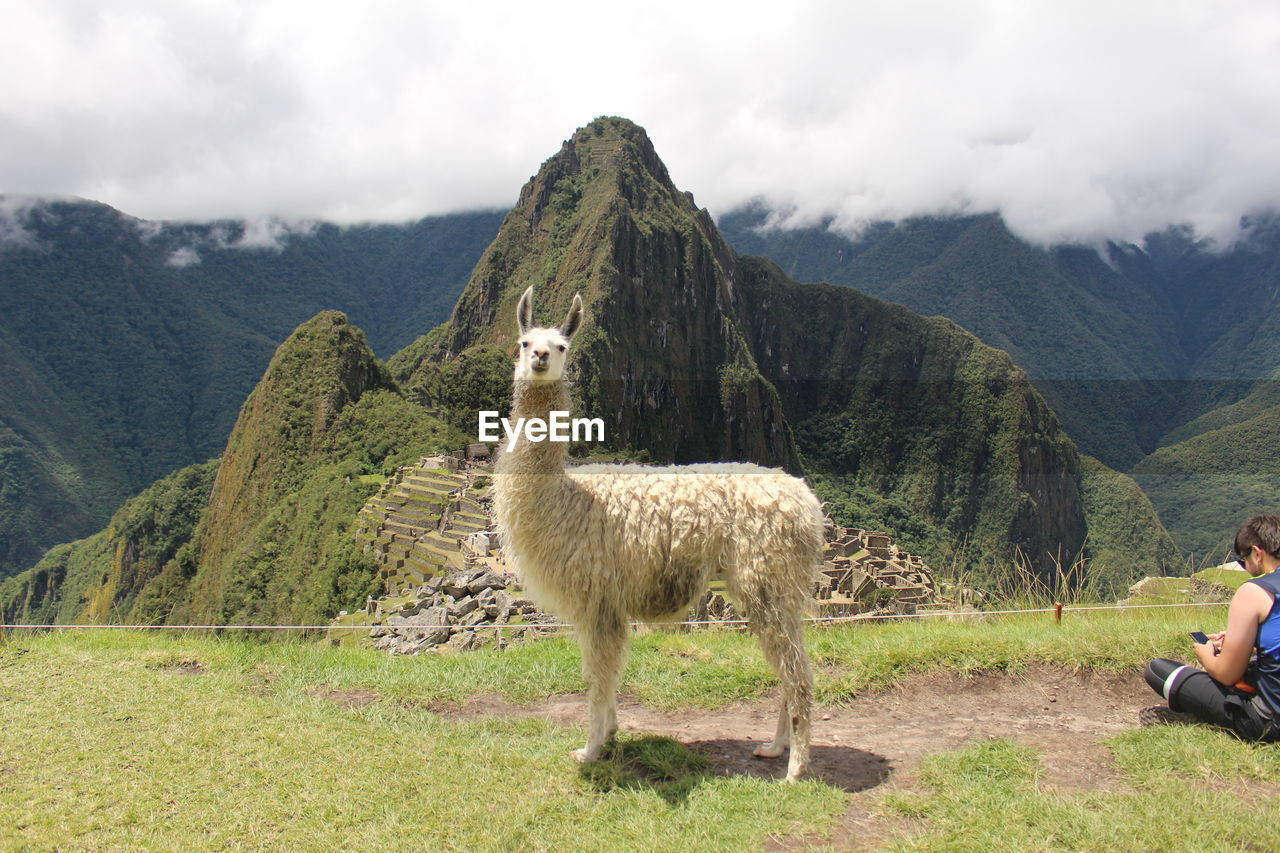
(917, 409)
(663, 355)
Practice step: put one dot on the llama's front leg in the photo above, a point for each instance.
(603, 642)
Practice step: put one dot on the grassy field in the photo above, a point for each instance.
(131, 740)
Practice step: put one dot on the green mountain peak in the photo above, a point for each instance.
(662, 356)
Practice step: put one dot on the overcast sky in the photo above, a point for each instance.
(1079, 121)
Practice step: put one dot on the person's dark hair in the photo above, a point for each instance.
(1261, 530)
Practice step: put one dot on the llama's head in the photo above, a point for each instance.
(542, 351)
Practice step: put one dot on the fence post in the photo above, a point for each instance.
(1057, 612)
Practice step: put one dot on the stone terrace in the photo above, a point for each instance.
(432, 518)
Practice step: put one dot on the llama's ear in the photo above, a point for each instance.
(524, 311)
(574, 319)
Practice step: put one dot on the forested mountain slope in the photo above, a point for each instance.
(128, 346)
(1138, 349)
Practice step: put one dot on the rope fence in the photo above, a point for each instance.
(1058, 610)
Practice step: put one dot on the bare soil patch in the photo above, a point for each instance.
(1063, 715)
(875, 744)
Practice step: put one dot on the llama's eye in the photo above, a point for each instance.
(562, 348)
(524, 344)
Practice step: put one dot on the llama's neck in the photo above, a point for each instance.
(543, 458)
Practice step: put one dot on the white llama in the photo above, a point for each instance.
(605, 544)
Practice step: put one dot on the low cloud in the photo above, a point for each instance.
(15, 212)
(183, 257)
(269, 234)
(260, 235)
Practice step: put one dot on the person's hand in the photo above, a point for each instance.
(1215, 640)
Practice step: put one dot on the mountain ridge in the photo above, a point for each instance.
(690, 352)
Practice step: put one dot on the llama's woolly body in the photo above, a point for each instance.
(655, 537)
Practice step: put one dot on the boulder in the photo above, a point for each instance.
(436, 636)
(485, 580)
(432, 616)
(462, 608)
(457, 585)
(464, 642)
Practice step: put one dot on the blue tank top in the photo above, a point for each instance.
(1269, 642)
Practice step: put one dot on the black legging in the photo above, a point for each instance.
(1194, 691)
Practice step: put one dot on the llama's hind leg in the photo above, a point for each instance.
(781, 736)
(603, 643)
(782, 641)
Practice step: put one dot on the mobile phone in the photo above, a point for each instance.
(1199, 636)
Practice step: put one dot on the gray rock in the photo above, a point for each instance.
(475, 617)
(462, 608)
(486, 580)
(465, 642)
(430, 617)
(456, 585)
(436, 636)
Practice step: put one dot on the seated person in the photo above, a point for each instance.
(1217, 693)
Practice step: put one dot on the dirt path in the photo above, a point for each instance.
(876, 743)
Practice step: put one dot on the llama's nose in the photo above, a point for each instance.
(540, 357)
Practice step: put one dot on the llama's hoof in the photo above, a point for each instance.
(582, 756)
(769, 750)
(796, 777)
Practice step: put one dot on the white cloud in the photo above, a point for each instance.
(270, 234)
(1076, 121)
(14, 211)
(183, 257)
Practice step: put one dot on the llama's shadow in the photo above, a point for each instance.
(649, 763)
(844, 767)
(672, 770)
